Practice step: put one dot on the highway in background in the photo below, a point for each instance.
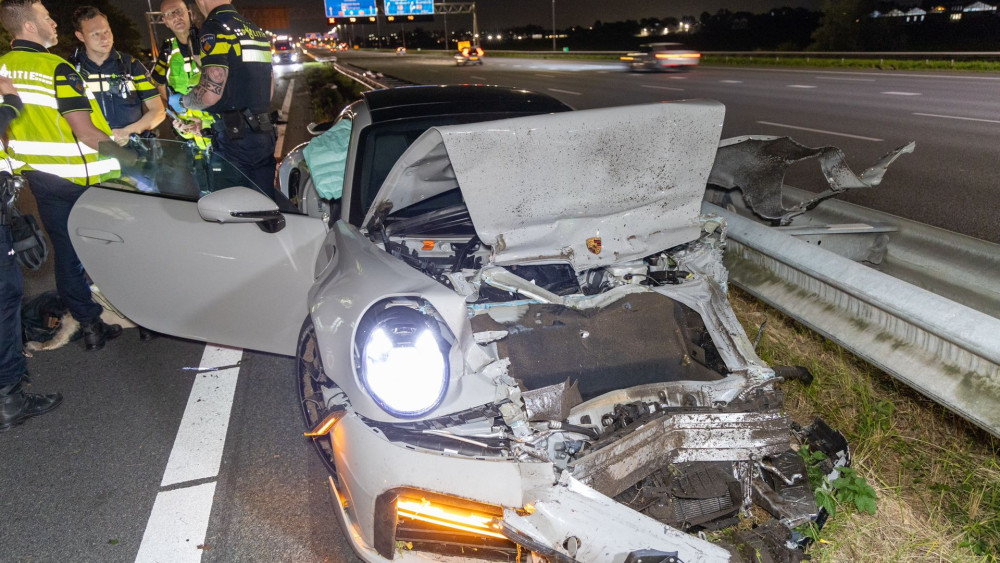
(950, 181)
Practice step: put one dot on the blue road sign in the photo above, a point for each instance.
(350, 8)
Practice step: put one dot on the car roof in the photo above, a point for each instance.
(422, 101)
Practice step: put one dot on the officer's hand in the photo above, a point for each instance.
(125, 157)
(7, 86)
(192, 126)
(174, 101)
(120, 136)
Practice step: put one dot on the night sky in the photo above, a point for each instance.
(499, 14)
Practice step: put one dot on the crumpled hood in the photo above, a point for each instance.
(592, 187)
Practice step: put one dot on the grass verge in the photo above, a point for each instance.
(330, 91)
(937, 476)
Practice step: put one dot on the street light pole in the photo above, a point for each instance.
(553, 25)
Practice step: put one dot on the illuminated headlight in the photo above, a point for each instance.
(295, 56)
(402, 360)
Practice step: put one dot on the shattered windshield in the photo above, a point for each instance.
(176, 169)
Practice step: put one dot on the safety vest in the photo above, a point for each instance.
(40, 138)
(182, 76)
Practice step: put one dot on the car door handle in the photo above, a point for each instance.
(97, 235)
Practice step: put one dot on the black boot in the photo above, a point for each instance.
(96, 333)
(16, 406)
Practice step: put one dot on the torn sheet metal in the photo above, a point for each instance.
(679, 438)
(553, 402)
(757, 164)
(589, 526)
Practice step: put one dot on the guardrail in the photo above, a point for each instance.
(947, 351)
(957, 267)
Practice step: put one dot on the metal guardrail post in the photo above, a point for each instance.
(947, 351)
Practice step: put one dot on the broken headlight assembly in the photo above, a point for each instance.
(401, 358)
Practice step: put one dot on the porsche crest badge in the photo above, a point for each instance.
(594, 245)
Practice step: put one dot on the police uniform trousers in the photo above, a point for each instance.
(253, 155)
(12, 363)
(55, 197)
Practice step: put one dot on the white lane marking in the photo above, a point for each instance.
(178, 522)
(957, 117)
(197, 451)
(661, 87)
(544, 75)
(820, 131)
(731, 81)
(177, 526)
(286, 105)
(844, 79)
(801, 86)
(891, 93)
(570, 92)
(478, 77)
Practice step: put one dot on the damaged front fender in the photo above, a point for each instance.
(757, 164)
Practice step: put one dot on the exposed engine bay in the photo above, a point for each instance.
(617, 377)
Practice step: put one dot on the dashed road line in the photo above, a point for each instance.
(178, 523)
(570, 92)
(286, 106)
(806, 86)
(478, 78)
(661, 87)
(731, 81)
(958, 117)
(177, 526)
(844, 79)
(544, 75)
(892, 93)
(786, 126)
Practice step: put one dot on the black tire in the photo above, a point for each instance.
(310, 378)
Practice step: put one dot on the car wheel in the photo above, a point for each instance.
(310, 380)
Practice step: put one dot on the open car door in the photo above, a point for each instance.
(146, 244)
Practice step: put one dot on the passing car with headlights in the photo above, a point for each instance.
(662, 56)
(284, 51)
(509, 342)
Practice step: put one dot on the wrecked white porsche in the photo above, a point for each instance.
(516, 347)
(532, 351)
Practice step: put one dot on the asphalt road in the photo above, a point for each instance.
(88, 482)
(950, 181)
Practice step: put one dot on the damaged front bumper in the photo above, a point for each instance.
(400, 503)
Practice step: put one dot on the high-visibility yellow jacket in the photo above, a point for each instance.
(180, 72)
(41, 138)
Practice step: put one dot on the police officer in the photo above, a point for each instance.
(117, 81)
(236, 85)
(54, 145)
(16, 406)
(178, 70)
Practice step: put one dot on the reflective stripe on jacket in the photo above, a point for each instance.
(41, 138)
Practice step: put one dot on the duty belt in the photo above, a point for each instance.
(236, 123)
